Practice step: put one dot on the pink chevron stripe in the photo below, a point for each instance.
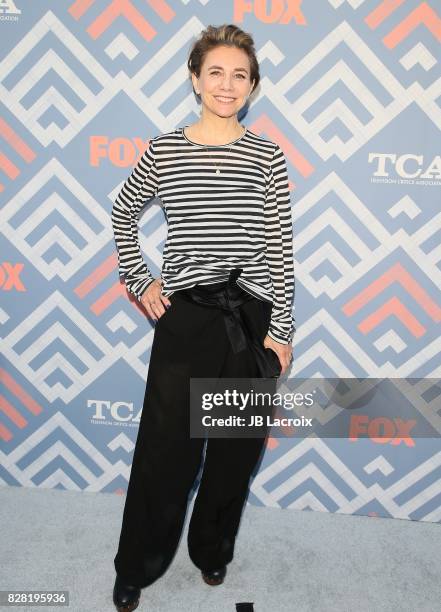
(109, 296)
(265, 125)
(271, 443)
(395, 274)
(162, 9)
(393, 307)
(78, 8)
(422, 15)
(382, 12)
(8, 167)
(16, 142)
(17, 390)
(5, 433)
(126, 9)
(97, 276)
(12, 413)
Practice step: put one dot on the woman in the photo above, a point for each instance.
(223, 305)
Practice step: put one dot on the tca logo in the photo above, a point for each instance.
(382, 430)
(406, 166)
(118, 411)
(277, 11)
(7, 7)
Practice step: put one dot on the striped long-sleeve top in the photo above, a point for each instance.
(237, 218)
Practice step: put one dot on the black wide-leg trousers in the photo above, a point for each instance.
(190, 340)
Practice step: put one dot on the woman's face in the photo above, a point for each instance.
(224, 83)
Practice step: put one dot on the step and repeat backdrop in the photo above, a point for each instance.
(351, 91)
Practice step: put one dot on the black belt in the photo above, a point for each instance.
(228, 296)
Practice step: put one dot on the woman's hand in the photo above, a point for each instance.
(153, 300)
(283, 351)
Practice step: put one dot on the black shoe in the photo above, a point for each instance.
(214, 577)
(125, 596)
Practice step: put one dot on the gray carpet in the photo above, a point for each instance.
(285, 560)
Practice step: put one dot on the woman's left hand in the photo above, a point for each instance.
(283, 351)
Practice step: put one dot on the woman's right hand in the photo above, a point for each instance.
(153, 300)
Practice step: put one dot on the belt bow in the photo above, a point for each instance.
(228, 297)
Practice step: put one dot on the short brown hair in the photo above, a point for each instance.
(229, 35)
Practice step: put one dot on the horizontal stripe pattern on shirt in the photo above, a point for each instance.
(239, 218)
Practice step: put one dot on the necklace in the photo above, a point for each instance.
(216, 166)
